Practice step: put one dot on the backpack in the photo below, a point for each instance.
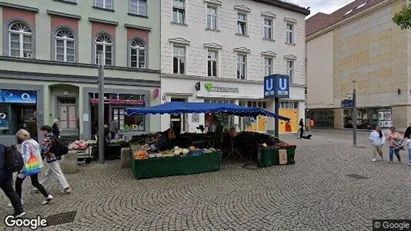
(59, 147)
(13, 159)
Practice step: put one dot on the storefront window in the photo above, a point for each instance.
(129, 123)
(4, 119)
(367, 118)
(18, 110)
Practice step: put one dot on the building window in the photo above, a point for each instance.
(290, 33)
(138, 7)
(242, 23)
(212, 17)
(179, 60)
(20, 40)
(179, 11)
(268, 29)
(104, 44)
(268, 66)
(241, 66)
(65, 46)
(105, 4)
(137, 54)
(212, 59)
(289, 105)
(290, 70)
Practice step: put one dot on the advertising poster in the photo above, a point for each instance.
(13, 96)
(387, 115)
(282, 156)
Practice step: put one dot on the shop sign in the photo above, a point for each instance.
(277, 86)
(211, 87)
(119, 101)
(14, 96)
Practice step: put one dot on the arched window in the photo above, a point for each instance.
(104, 44)
(20, 40)
(137, 54)
(65, 46)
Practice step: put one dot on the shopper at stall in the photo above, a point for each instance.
(30, 150)
(377, 141)
(49, 151)
(395, 144)
(6, 184)
(114, 128)
(56, 128)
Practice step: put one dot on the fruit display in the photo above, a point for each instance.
(141, 155)
(78, 145)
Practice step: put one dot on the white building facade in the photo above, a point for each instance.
(220, 51)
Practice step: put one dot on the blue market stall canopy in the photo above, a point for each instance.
(184, 108)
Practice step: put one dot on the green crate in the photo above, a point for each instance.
(270, 156)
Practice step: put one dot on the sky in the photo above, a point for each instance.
(324, 6)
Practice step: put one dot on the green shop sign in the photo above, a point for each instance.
(210, 87)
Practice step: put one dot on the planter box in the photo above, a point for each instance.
(177, 165)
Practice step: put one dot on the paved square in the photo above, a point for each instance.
(314, 194)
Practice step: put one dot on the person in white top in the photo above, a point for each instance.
(377, 140)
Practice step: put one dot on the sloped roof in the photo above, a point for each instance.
(321, 21)
(286, 6)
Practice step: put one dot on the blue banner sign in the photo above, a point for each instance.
(347, 103)
(277, 86)
(16, 96)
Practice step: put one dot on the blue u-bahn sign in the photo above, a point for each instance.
(277, 86)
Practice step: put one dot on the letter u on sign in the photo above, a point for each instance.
(269, 84)
(282, 85)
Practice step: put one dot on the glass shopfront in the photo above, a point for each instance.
(18, 110)
(367, 118)
(115, 106)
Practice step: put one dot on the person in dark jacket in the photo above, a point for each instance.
(301, 124)
(55, 128)
(407, 134)
(6, 184)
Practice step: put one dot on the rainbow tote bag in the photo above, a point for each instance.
(32, 166)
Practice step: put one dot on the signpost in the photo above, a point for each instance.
(100, 80)
(351, 103)
(276, 86)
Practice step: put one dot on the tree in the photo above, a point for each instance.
(403, 17)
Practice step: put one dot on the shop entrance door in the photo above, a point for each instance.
(179, 121)
(68, 116)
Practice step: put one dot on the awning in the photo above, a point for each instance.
(185, 108)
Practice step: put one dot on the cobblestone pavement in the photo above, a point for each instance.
(313, 194)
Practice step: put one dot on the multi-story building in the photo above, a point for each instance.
(220, 51)
(359, 47)
(48, 57)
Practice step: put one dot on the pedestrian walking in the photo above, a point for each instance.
(55, 128)
(377, 140)
(50, 152)
(113, 128)
(30, 150)
(301, 124)
(395, 142)
(6, 184)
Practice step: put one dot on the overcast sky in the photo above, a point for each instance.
(325, 6)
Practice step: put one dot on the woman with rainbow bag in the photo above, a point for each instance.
(30, 150)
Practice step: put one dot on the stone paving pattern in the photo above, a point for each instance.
(313, 194)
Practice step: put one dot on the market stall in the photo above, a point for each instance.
(154, 156)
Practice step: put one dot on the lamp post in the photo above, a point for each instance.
(354, 117)
(100, 80)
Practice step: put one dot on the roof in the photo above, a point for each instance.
(286, 6)
(321, 21)
(177, 108)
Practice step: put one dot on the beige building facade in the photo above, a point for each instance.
(369, 53)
